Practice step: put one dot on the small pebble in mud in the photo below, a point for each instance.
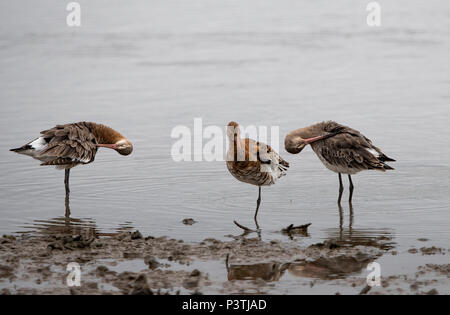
(365, 290)
(92, 285)
(188, 221)
(55, 246)
(431, 250)
(5, 292)
(412, 251)
(136, 235)
(141, 287)
(432, 292)
(131, 255)
(102, 271)
(6, 271)
(191, 282)
(414, 286)
(326, 244)
(195, 273)
(151, 262)
(7, 239)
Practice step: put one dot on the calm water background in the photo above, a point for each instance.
(148, 66)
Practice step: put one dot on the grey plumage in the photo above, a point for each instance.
(340, 148)
(64, 146)
(347, 152)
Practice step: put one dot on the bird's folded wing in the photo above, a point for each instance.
(69, 150)
(266, 155)
(72, 143)
(352, 151)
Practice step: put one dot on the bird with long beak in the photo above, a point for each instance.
(341, 149)
(66, 146)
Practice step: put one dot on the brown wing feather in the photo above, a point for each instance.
(256, 155)
(69, 144)
(350, 149)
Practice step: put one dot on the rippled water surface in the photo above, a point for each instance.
(148, 66)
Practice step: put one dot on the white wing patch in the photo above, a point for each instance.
(273, 168)
(372, 151)
(85, 160)
(39, 144)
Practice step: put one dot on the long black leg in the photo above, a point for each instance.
(67, 215)
(341, 188)
(66, 184)
(66, 181)
(258, 202)
(350, 225)
(351, 188)
(246, 229)
(341, 222)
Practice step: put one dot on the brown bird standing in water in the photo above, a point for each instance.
(253, 162)
(66, 146)
(340, 148)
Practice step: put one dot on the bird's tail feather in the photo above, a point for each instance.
(387, 167)
(21, 149)
(382, 157)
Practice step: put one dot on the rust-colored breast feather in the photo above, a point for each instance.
(262, 165)
(69, 145)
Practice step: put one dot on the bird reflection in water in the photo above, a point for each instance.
(376, 237)
(70, 226)
(265, 271)
(328, 264)
(67, 204)
(341, 220)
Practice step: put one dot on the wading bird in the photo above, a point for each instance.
(66, 146)
(340, 148)
(253, 162)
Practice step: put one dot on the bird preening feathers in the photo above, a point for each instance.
(66, 146)
(340, 148)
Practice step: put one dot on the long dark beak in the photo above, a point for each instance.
(311, 140)
(109, 146)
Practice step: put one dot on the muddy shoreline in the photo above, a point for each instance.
(130, 263)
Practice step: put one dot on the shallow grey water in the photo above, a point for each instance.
(148, 66)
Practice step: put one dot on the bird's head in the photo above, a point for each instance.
(122, 146)
(293, 143)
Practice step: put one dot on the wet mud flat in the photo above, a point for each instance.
(130, 263)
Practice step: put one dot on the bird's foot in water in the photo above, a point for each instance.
(246, 229)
